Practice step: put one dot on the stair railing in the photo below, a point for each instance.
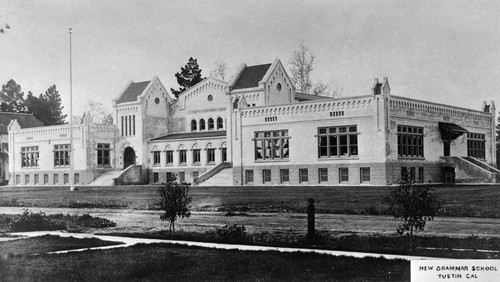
(216, 169)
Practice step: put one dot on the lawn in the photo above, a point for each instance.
(458, 200)
(162, 262)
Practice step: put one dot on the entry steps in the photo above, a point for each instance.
(107, 178)
(222, 178)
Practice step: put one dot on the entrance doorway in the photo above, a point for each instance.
(128, 157)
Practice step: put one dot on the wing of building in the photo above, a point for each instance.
(256, 130)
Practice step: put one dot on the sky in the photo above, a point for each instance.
(441, 51)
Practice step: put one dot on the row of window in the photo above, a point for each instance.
(55, 179)
(210, 125)
(181, 176)
(30, 156)
(196, 156)
(128, 125)
(364, 174)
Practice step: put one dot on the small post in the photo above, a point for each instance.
(311, 230)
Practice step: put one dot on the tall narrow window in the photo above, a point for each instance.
(202, 124)
(303, 175)
(156, 158)
(170, 157)
(323, 175)
(156, 177)
(196, 156)
(61, 155)
(249, 176)
(220, 123)
(182, 157)
(103, 154)
(129, 125)
(126, 126)
(224, 154)
(211, 124)
(410, 141)
(29, 156)
(123, 133)
(364, 174)
(266, 175)
(211, 155)
(193, 125)
(337, 141)
(476, 145)
(133, 127)
(272, 145)
(343, 174)
(421, 174)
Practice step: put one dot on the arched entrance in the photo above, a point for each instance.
(128, 157)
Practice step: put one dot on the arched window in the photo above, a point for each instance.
(220, 123)
(193, 125)
(202, 124)
(211, 125)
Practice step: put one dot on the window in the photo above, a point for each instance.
(18, 179)
(202, 124)
(37, 179)
(410, 141)
(29, 156)
(133, 127)
(45, 179)
(476, 145)
(170, 156)
(272, 145)
(169, 176)
(76, 178)
(249, 176)
(61, 155)
(103, 153)
(364, 174)
(343, 174)
(220, 123)
(156, 158)
(337, 141)
(421, 174)
(196, 156)
(323, 175)
(211, 155)
(303, 175)
(224, 154)
(26, 179)
(182, 177)
(284, 175)
(182, 157)
(193, 125)
(56, 179)
(211, 124)
(195, 174)
(123, 132)
(66, 178)
(266, 175)
(156, 177)
(412, 174)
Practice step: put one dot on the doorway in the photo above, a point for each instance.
(128, 157)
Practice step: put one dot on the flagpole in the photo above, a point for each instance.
(71, 152)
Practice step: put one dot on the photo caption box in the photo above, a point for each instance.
(455, 270)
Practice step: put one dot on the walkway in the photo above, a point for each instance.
(127, 242)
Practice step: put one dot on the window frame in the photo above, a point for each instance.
(322, 175)
(410, 141)
(303, 175)
(30, 157)
(62, 154)
(343, 177)
(273, 145)
(476, 145)
(284, 172)
(103, 154)
(211, 155)
(249, 177)
(335, 142)
(364, 177)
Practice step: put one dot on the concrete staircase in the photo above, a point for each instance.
(107, 178)
(472, 170)
(222, 178)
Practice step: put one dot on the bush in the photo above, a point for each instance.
(31, 221)
(370, 211)
(231, 233)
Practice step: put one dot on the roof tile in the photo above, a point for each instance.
(251, 76)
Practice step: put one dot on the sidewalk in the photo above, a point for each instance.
(127, 242)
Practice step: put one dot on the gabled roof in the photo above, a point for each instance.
(251, 76)
(132, 92)
(192, 135)
(24, 120)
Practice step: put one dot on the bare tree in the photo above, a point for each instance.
(220, 70)
(301, 66)
(97, 112)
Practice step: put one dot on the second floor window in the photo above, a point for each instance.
(410, 141)
(337, 141)
(156, 158)
(170, 156)
(196, 156)
(182, 157)
(272, 145)
(61, 155)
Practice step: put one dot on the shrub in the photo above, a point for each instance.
(370, 211)
(231, 233)
(31, 221)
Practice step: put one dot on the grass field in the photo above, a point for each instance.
(471, 201)
(161, 262)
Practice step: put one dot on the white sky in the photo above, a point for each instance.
(441, 51)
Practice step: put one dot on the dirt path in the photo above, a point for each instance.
(144, 221)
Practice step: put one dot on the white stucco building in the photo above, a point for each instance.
(256, 130)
